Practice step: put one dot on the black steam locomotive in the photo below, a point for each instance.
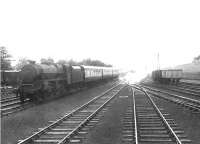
(40, 81)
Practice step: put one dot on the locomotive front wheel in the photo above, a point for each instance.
(21, 96)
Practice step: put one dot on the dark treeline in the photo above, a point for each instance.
(196, 60)
(89, 62)
(6, 61)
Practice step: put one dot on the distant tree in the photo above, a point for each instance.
(5, 59)
(196, 60)
(62, 62)
(94, 63)
(72, 62)
(47, 61)
(22, 62)
(88, 62)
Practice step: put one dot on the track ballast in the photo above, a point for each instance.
(153, 124)
(67, 128)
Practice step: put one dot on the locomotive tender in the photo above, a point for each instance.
(167, 76)
(41, 81)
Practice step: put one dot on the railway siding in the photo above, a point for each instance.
(184, 101)
(186, 92)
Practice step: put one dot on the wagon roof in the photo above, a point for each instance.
(96, 67)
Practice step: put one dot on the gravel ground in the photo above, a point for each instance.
(23, 124)
(109, 128)
(185, 118)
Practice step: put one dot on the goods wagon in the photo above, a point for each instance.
(9, 77)
(167, 76)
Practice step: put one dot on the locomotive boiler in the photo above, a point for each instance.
(39, 79)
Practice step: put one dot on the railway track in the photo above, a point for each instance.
(152, 124)
(186, 90)
(190, 83)
(71, 127)
(182, 86)
(128, 136)
(12, 105)
(187, 85)
(7, 92)
(192, 104)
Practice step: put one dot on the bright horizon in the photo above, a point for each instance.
(126, 34)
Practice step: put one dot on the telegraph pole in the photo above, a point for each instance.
(158, 61)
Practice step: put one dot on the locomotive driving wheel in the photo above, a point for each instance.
(21, 95)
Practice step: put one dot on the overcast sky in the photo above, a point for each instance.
(123, 33)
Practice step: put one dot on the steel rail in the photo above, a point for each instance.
(190, 83)
(162, 117)
(67, 138)
(177, 100)
(178, 89)
(13, 107)
(196, 89)
(135, 118)
(174, 95)
(189, 86)
(42, 131)
(186, 89)
(9, 99)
